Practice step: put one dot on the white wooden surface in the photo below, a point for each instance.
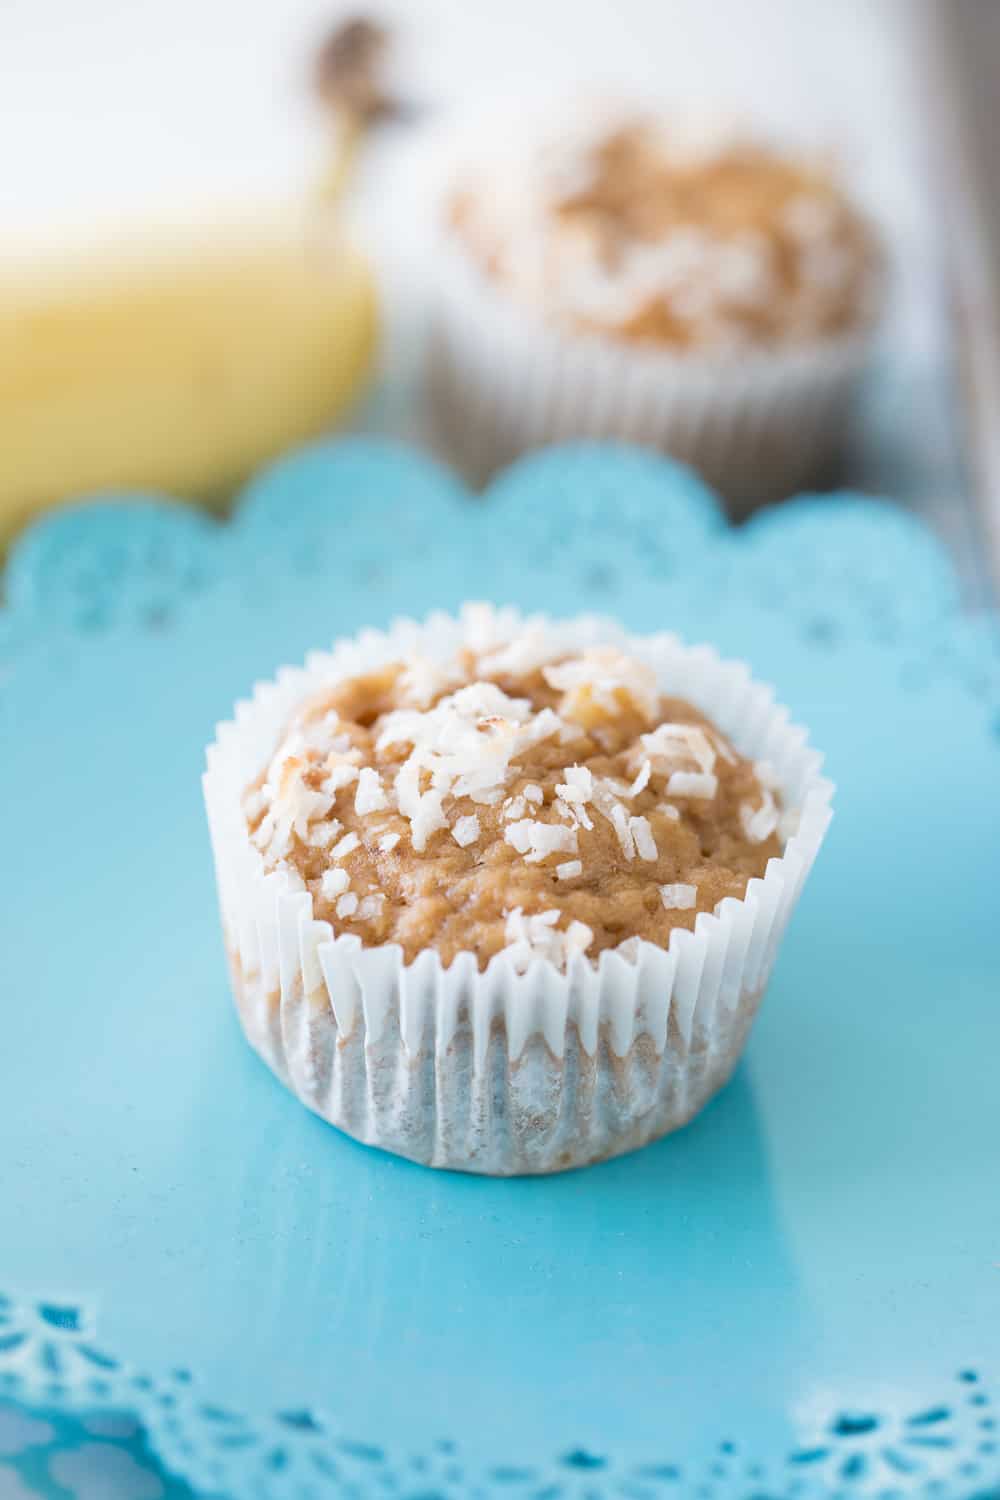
(124, 109)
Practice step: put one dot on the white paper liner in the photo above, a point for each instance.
(504, 1071)
(758, 424)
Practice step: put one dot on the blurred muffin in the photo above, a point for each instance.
(707, 295)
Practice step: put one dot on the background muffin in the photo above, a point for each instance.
(702, 292)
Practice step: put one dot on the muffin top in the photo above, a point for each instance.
(635, 231)
(516, 797)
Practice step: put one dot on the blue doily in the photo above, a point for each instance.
(85, 1455)
(798, 1295)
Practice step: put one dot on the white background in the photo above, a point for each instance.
(125, 107)
(116, 111)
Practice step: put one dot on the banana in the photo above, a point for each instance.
(177, 368)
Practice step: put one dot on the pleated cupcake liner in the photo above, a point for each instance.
(758, 423)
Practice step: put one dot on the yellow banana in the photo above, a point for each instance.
(176, 369)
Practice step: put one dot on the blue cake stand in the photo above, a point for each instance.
(798, 1295)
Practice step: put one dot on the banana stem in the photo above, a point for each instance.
(347, 135)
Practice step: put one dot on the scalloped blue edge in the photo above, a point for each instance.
(70, 565)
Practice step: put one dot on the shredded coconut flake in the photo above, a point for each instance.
(578, 937)
(424, 810)
(371, 907)
(612, 680)
(759, 823)
(304, 806)
(422, 680)
(539, 937)
(339, 775)
(577, 786)
(621, 823)
(675, 744)
(347, 905)
(533, 793)
(370, 795)
(607, 789)
(322, 835)
(645, 843)
(642, 780)
(573, 812)
(530, 649)
(388, 842)
(255, 805)
(570, 869)
(295, 806)
(679, 897)
(518, 835)
(334, 883)
(264, 834)
(693, 784)
(348, 842)
(465, 830)
(538, 840)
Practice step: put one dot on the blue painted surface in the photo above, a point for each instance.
(824, 1240)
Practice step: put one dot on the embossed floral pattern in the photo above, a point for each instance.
(946, 1447)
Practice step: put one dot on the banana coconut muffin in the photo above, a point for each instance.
(502, 895)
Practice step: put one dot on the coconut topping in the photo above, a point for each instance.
(605, 678)
(536, 841)
(539, 936)
(679, 897)
(461, 747)
(517, 796)
(642, 780)
(642, 834)
(370, 796)
(334, 883)
(578, 786)
(663, 236)
(759, 823)
(465, 831)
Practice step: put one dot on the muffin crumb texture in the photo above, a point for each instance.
(516, 796)
(633, 230)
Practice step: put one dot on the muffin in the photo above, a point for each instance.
(707, 295)
(503, 894)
